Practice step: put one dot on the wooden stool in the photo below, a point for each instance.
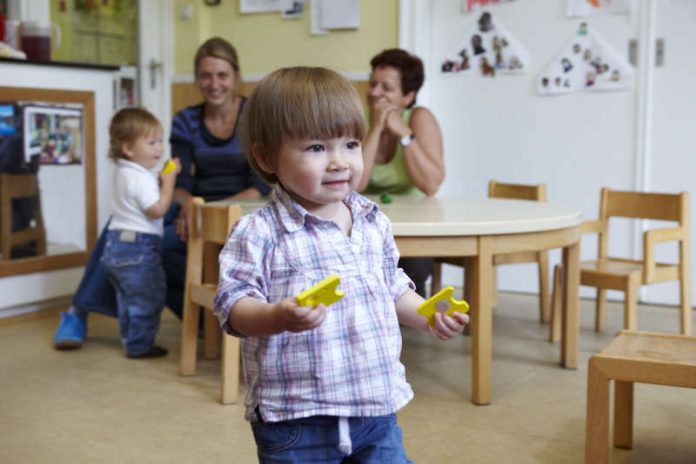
(659, 359)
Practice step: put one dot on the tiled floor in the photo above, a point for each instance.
(94, 405)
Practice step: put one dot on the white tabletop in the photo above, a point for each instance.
(432, 216)
(446, 216)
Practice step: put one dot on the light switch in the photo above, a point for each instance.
(186, 11)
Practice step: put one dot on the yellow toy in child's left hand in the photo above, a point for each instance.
(169, 167)
(324, 292)
(442, 302)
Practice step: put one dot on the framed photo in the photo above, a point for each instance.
(53, 135)
(7, 120)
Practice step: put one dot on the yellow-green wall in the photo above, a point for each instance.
(266, 42)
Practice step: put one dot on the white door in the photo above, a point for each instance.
(155, 58)
(499, 128)
(673, 160)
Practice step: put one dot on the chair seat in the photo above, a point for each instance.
(620, 269)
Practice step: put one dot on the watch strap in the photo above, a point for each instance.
(406, 140)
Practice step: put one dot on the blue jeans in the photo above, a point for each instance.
(376, 440)
(174, 252)
(95, 293)
(133, 263)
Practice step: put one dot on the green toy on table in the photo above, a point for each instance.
(442, 302)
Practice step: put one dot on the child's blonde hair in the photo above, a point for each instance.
(298, 103)
(127, 125)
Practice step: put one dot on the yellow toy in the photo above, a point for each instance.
(324, 292)
(442, 302)
(169, 167)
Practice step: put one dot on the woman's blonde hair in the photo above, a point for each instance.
(127, 125)
(298, 103)
(216, 47)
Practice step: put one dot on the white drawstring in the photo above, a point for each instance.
(345, 446)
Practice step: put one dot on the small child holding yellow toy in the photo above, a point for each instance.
(322, 383)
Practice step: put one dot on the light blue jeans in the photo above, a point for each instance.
(376, 440)
(133, 263)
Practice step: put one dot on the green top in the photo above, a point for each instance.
(392, 177)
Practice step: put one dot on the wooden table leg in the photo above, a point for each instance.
(597, 419)
(570, 319)
(623, 414)
(482, 323)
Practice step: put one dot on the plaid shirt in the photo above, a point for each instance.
(349, 365)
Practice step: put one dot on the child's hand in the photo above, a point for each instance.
(170, 175)
(445, 327)
(295, 318)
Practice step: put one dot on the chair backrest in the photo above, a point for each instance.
(13, 187)
(644, 205)
(535, 192)
(208, 230)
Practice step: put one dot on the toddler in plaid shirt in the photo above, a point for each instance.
(323, 384)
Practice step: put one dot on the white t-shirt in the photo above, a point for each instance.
(135, 190)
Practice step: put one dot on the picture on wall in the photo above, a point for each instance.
(53, 135)
(586, 62)
(597, 7)
(471, 5)
(486, 49)
(7, 120)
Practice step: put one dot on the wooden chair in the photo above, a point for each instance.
(206, 238)
(516, 192)
(628, 275)
(13, 187)
(659, 359)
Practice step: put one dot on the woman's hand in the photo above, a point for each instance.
(380, 111)
(395, 124)
(295, 318)
(182, 221)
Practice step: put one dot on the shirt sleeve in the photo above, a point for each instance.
(184, 152)
(397, 280)
(182, 148)
(244, 267)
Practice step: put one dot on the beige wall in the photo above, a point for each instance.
(266, 42)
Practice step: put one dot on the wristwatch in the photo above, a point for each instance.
(406, 140)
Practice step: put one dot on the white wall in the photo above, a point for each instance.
(501, 129)
(27, 288)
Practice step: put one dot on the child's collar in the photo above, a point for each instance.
(293, 215)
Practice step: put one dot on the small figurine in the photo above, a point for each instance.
(465, 60)
(322, 293)
(168, 167)
(442, 302)
(486, 68)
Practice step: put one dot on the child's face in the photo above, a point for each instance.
(321, 171)
(145, 150)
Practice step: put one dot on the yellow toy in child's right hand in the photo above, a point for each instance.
(442, 302)
(324, 292)
(169, 167)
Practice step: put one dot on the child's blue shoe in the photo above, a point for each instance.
(70, 333)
